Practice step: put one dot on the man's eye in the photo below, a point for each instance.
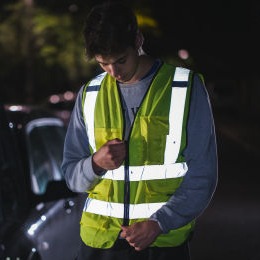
(103, 65)
(121, 61)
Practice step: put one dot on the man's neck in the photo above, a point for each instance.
(144, 65)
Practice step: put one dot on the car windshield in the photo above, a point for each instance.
(45, 138)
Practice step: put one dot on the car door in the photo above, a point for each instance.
(56, 226)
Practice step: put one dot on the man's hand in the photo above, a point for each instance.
(110, 156)
(141, 234)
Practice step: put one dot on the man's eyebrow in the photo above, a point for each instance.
(104, 63)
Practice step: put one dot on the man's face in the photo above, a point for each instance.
(121, 66)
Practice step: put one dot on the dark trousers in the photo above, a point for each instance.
(123, 251)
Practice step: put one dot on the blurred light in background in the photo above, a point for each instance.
(15, 108)
(183, 54)
(68, 95)
(54, 99)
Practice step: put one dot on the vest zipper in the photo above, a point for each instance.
(126, 165)
(126, 170)
(126, 189)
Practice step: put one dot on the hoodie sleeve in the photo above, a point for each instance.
(198, 186)
(77, 158)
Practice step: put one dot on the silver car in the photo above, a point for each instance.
(39, 216)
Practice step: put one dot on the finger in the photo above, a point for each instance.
(123, 235)
(115, 141)
(137, 246)
(116, 149)
(124, 228)
(124, 232)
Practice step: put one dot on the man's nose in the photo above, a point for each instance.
(113, 70)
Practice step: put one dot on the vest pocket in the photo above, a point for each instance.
(153, 131)
(162, 190)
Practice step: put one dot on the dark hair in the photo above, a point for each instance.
(110, 28)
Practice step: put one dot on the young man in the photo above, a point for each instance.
(141, 143)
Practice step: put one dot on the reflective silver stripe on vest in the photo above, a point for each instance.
(178, 97)
(89, 105)
(148, 172)
(116, 210)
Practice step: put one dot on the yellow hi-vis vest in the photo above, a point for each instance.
(154, 167)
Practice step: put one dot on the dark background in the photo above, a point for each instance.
(39, 57)
(41, 53)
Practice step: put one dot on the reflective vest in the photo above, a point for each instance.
(155, 165)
